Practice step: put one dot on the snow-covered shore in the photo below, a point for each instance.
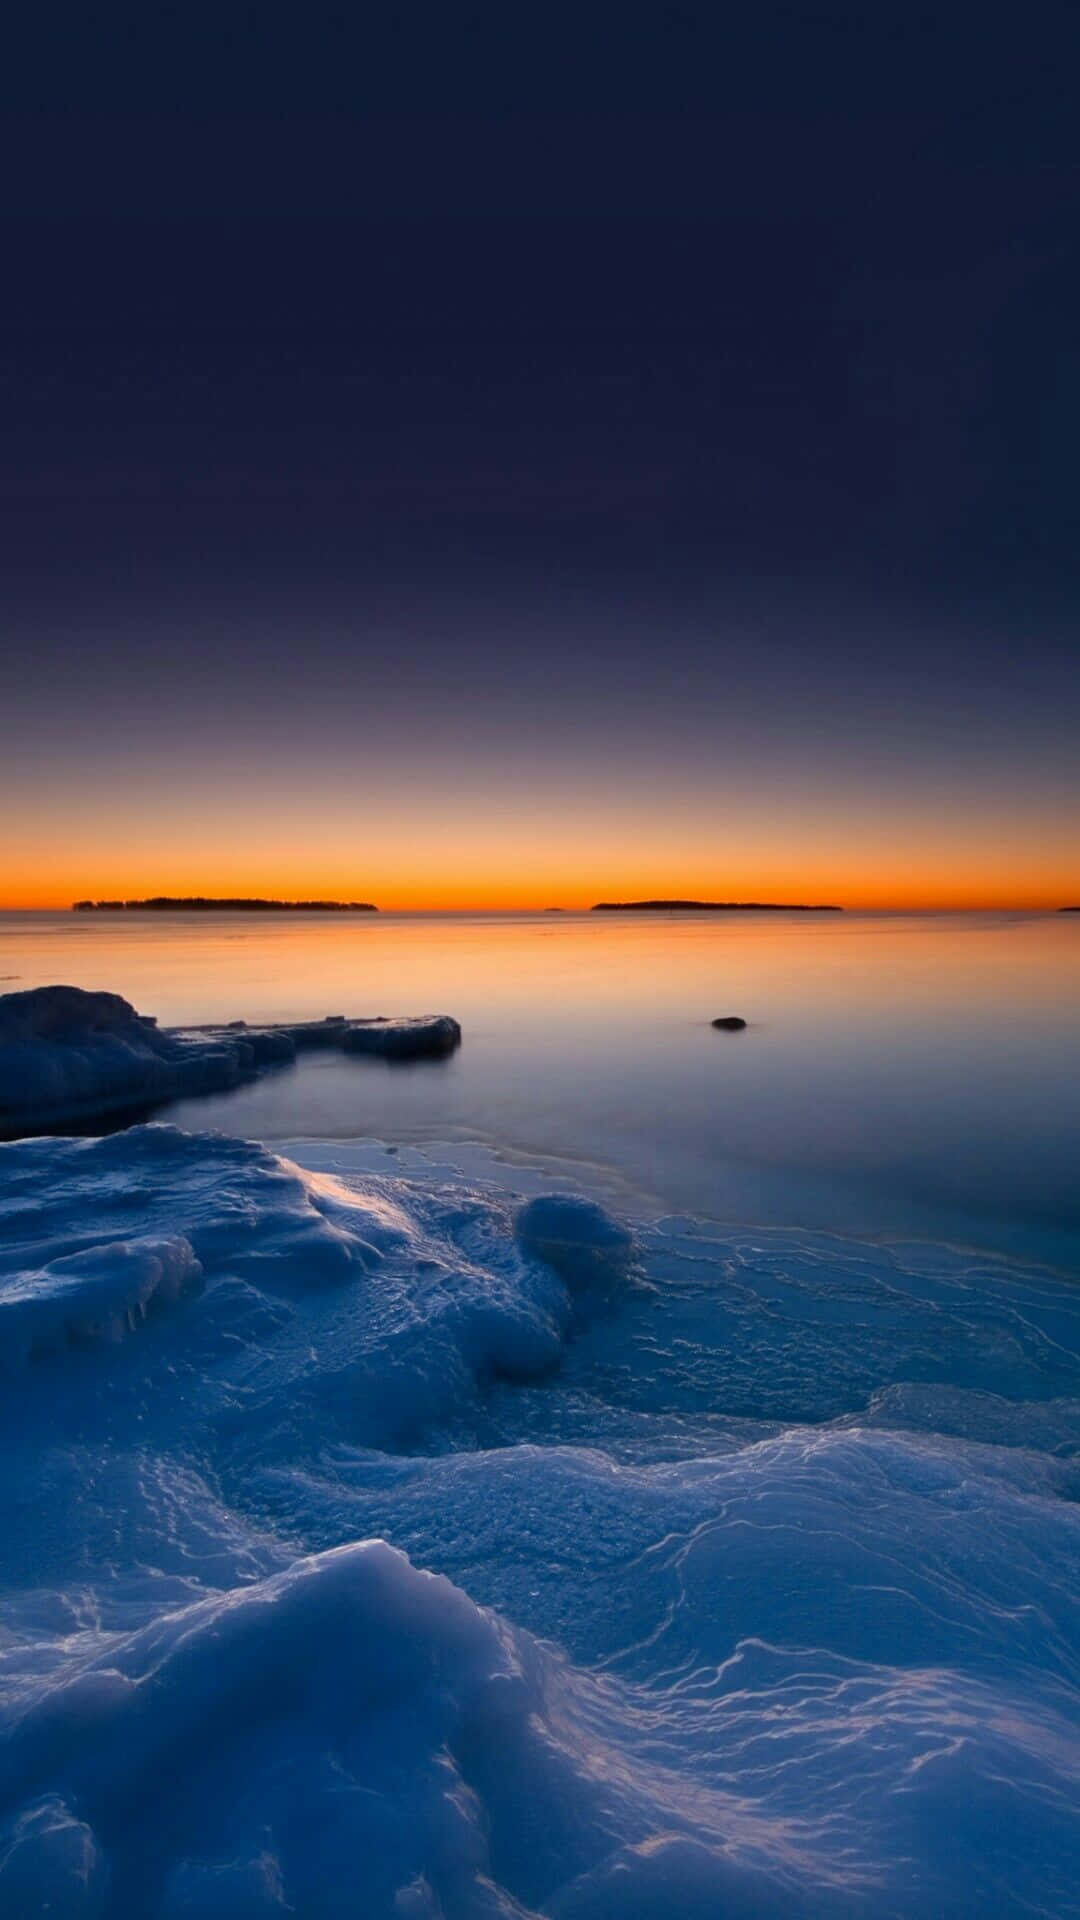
(380, 1545)
(68, 1058)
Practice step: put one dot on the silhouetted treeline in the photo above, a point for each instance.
(201, 903)
(710, 906)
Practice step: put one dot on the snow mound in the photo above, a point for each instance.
(349, 1734)
(390, 1315)
(576, 1237)
(67, 1056)
(353, 1735)
(96, 1294)
(752, 1583)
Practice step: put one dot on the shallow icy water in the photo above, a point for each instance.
(741, 1568)
(900, 1074)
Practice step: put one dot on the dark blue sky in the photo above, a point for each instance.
(478, 351)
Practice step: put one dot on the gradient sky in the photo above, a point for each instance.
(461, 461)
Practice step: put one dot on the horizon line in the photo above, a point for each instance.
(554, 906)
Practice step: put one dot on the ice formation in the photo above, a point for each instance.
(372, 1546)
(67, 1056)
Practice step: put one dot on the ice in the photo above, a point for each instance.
(68, 1057)
(574, 1236)
(51, 1863)
(96, 1294)
(381, 1544)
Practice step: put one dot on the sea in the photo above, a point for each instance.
(900, 1074)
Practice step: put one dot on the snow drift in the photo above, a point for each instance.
(372, 1546)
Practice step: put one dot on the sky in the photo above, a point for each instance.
(458, 459)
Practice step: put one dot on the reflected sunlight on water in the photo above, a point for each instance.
(899, 1074)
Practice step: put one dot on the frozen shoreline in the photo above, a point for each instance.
(68, 1057)
(751, 1577)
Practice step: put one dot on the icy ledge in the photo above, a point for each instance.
(67, 1056)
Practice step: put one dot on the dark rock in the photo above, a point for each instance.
(70, 1058)
(730, 1023)
(429, 1037)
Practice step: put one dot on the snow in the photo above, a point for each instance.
(94, 1294)
(574, 1236)
(67, 1056)
(378, 1544)
(52, 1863)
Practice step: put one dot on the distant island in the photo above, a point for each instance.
(710, 906)
(199, 903)
(1069, 909)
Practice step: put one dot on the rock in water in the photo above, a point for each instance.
(730, 1023)
(429, 1037)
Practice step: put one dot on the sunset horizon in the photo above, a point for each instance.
(516, 899)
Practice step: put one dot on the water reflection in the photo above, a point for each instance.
(912, 1074)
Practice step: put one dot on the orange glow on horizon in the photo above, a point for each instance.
(478, 820)
(428, 839)
(537, 884)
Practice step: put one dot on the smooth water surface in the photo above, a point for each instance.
(900, 1075)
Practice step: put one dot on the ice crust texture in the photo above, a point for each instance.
(68, 1057)
(376, 1547)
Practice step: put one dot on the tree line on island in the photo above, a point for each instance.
(711, 906)
(204, 903)
(201, 903)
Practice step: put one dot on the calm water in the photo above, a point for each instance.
(912, 1075)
